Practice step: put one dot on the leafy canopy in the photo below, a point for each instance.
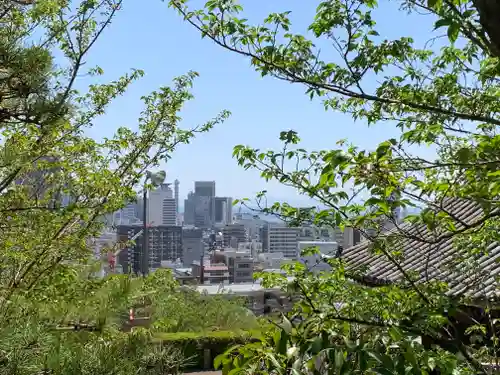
(445, 98)
(57, 183)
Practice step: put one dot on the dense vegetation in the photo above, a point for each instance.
(56, 184)
(443, 98)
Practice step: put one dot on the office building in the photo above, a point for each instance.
(203, 211)
(126, 216)
(253, 224)
(240, 268)
(223, 210)
(192, 245)
(164, 244)
(169, 215)
(189, 207)
(204, 188)
(199, 210)
(176, 197)
(277, 238)
(162, 206)
(233, 234)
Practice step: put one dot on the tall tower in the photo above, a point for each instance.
(176, 196)
(204, 188)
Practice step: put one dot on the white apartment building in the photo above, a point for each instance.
(169, 214)
(272, 260)
(281, 239)
(253, 246)
(314, 233)
(345, 238)
(162, 206)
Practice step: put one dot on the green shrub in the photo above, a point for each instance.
(193, 344)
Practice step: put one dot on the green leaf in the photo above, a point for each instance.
(442, 22)
(464, 155)
(395, 333)
(286, 325)
(453, 31)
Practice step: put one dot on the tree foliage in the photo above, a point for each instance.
(443, 97)
(174, 309)
(56, 183)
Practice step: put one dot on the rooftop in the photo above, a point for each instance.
(242, 288)
(215, 268)
(433, 256)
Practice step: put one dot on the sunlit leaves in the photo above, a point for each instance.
(445, 99)
(57, 185)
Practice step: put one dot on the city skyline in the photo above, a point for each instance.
(259, 112)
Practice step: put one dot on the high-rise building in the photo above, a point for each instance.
(126, 216)
(277, 238)
(223, 210)
(169, 215)
(164, 244)
(176, 196)
(203, 211)
(156, 207)
(192, 245)
(189, 207)
(130, 258)
(204, 188)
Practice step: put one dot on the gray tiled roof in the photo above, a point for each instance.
(433, 256)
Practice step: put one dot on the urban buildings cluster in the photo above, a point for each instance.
(210, 246)
(207, 243)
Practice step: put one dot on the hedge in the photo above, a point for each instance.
(195, 344)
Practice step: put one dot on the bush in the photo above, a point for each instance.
(194, 344)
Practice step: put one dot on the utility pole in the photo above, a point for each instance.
(145, 234)
(202, 269)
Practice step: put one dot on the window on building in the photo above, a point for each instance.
(243, 274)
(217, 273)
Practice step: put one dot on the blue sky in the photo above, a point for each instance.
(150, 36)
